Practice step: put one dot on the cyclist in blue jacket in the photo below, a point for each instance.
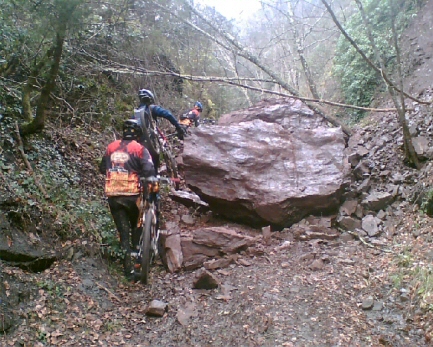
(148, 108)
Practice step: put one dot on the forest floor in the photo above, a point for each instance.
(273, 299)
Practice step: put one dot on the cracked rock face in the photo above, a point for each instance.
(262, 173)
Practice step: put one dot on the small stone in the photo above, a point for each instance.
(378, 305)
(404, 297)
(188, 219)
(205, 280)
(368, 303)
(266, 231)
(156, 308)
(244, 262)
(317, 265)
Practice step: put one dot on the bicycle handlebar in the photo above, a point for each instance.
(155, 179)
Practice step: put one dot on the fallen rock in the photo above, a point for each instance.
(218, 263)
(185, 313)
(370, 224)
(266, 231)
(205, 280)
(376, 201)
(204, 244)
(368, 303)
(189, 199)
(156, 308)
(172, 256)
(317, 265)
(349, 223)
(244, 163)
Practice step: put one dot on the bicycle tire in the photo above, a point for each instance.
(146, 247)
(171, 168)
(153, 144)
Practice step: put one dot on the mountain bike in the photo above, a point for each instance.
(149, 246)
(170, 162)
(158, 144)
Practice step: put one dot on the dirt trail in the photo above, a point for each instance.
(273, 299)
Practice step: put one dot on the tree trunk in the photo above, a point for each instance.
(38, 123)
(409, 150)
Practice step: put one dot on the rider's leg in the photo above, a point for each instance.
(133, 213)
(120, 216)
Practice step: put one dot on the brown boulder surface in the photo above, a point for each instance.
(262, 173)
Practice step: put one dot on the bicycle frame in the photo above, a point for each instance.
(156, 139)
(149, 201)
(148, 222)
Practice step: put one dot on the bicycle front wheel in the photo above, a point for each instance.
(146, 248)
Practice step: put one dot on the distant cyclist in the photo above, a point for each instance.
(124, 163)
(145, 109)
(192, 116)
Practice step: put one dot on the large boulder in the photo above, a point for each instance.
(263, 173)
(289, 113)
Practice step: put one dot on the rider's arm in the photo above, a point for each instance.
(103, 165)
(158, 111)
(146, 168)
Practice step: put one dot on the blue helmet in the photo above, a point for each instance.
(198, 105)
(146, 96)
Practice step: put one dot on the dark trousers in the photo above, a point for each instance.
(125, 214)
(155, 160)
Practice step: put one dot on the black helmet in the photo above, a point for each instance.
(198, 106)
(131, 129)
(146, 96)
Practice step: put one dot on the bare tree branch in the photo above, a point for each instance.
(380, 71)
(237, 48)
(235, 81)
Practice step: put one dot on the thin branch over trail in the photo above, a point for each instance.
(129, 69)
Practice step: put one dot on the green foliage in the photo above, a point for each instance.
(71, 211)
(423, 281)
(427, 203)
(51, 287)
(359, 81)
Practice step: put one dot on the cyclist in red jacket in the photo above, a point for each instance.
(192, 116)
(124, 163)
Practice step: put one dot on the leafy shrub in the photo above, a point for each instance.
(71, 212)
(427, 203)
(359, 82)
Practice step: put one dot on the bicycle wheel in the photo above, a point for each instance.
(171, 167)
(152, 143)
(146, 246)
